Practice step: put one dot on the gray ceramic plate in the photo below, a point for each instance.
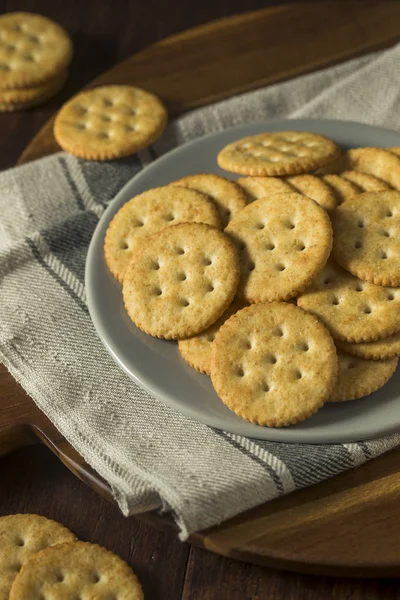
(157, 366)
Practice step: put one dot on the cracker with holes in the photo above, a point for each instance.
(148, 213)
(76, 570)
(284, 241)
(21, 537)
(381, 163)
(314, 188)
(260, 187)
(280, 153)
(367, 237)
(181, 280)
(109, 122)
(273, 364)
(196, 351)
(359, 377)
(342, 188)
(33, 50)
(352, 310)
(227, 196)
(379, 350)
(366, 182)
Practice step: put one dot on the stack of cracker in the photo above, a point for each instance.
(296, 302)
(35, 54)
(40, 558)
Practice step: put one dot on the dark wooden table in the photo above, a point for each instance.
(32, 479)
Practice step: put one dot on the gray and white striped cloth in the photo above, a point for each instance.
(153, 457)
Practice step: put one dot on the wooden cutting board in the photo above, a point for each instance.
(349, 525)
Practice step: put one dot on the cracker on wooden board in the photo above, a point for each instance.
(367, 237)
(149, 212)
(358, 377)
(109, 122)
(284, 241)
(279, 153)
(181, 280)
(273, 364)
(21, 537)
(33, 49)
(76, 570)
(352, 310)
(228, 196)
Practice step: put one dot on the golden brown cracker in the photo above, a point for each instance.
(196, 351)
(388, 347)
(342, 188)
(148, 213)
(367, 237)
(359, 377)
(284, 241)
(22, 98)
(352, 310)
(227, 195)
(314, 188)
(260, 187)
(181, 280)
(21, 537)
(33, 49)
(273, 364)
(366, 182)
(76, 570)
(381, 163)
(279, 153)
(109, 122)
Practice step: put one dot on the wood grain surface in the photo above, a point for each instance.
(233, 55)
(345, 526)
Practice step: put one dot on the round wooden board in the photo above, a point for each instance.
(349, 525)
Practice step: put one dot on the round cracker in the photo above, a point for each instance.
(366, 182)
(381, 163)
(279, 153)
(367, 237)
(260, 187)
(21, 537)
(379, 350)
(33, 49)
(314, 188)
(352, 310)
(273, 364)
(342, 188)
(358, 377)
(148, 213)
(284, 241)
(109, 122)
(227, 195)
(181, 280)
(76, 570)
(196, 351)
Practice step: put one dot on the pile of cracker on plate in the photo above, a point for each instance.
(40, 558)
(283, 286)
(35, 53)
